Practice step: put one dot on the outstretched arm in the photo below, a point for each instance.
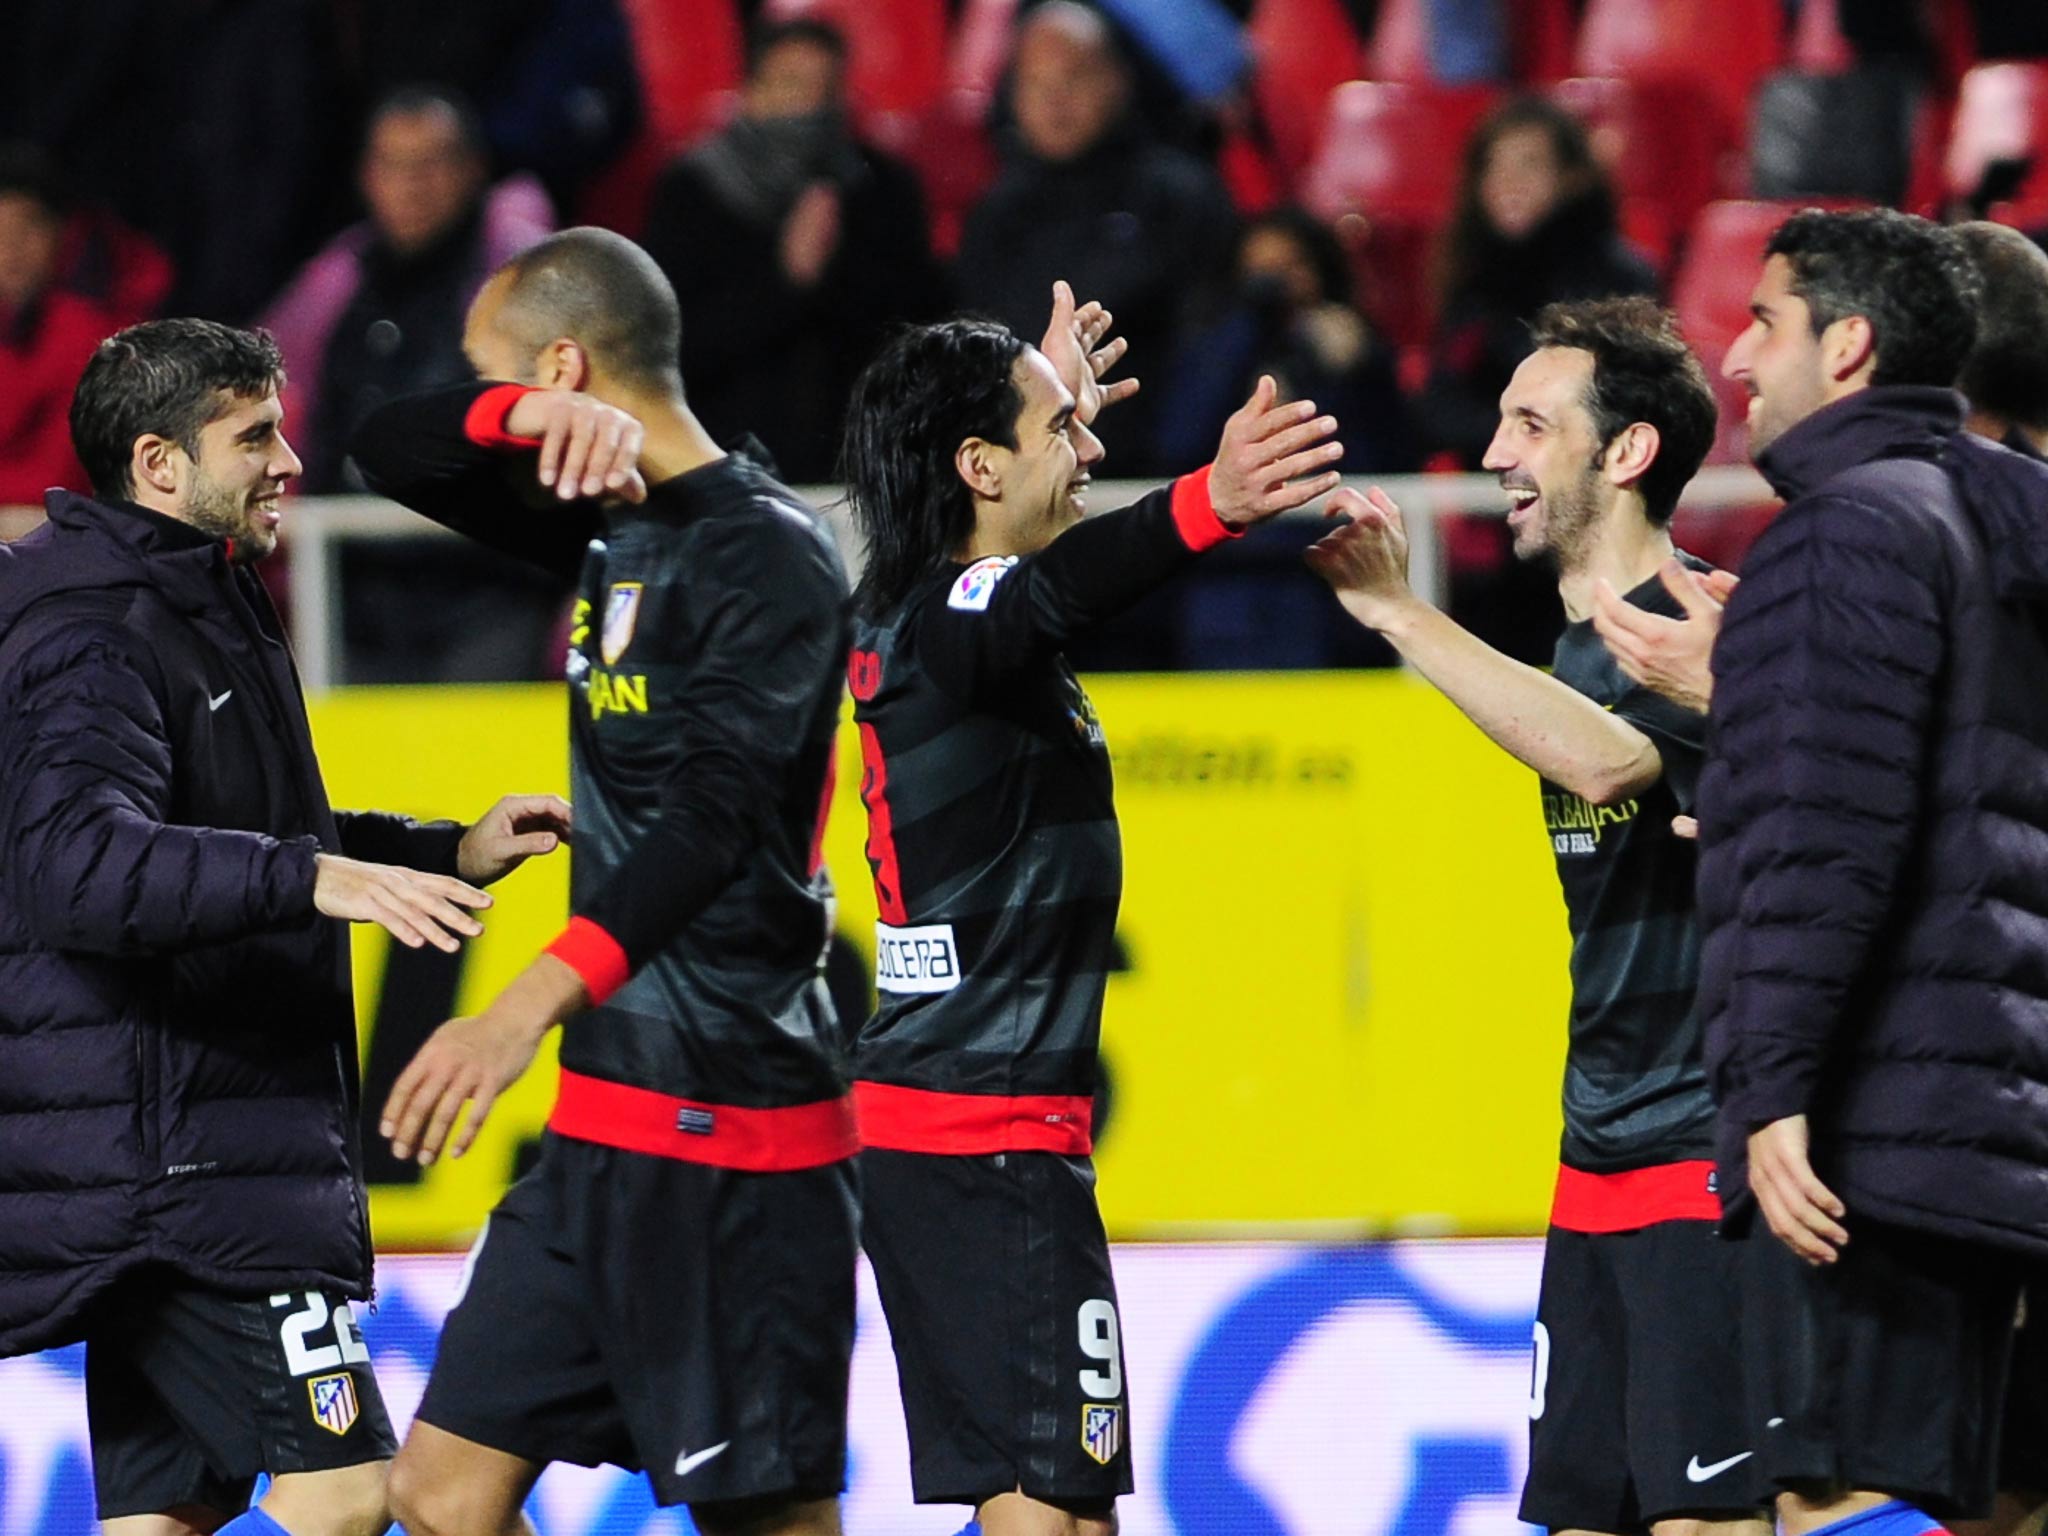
(1544, 723)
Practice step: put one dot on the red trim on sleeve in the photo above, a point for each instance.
(1642, 1197)
(1200, 527)
(484, 423)
(594, 955)
(777, 1140)
(921, 1120)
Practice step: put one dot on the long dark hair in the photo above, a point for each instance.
(932, 388)
(1471, 240)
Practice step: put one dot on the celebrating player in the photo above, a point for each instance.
(672, 1287)
(1637, 1410)
(993, 841)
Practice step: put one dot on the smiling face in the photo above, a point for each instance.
(1547, 454)
(1042, 483)
(1778, 359)
(231, 489)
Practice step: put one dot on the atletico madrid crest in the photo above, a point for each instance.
(621, 612)
(1102, 1431)
(334, 1402)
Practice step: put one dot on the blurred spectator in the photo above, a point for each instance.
(1293, 316)
(791, 246)
(1535, 222)
(554, 80)
(210, 125)
(379, 312)
(46, 335)
(1085, 195)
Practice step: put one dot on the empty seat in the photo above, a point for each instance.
(1385, 174)
(1723, 46)
(1302, 50)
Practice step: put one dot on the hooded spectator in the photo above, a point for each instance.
(791, 246)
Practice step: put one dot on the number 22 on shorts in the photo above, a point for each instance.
(1100, 1341)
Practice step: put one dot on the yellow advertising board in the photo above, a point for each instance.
(1344, 999)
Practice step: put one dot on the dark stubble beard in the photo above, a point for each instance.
(223, 514)
(1568, 522)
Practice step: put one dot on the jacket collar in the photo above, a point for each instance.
(1886, 421)
(187, 566)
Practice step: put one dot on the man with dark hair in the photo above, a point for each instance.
(2005, 377)
(1873, 870)
(793, 246)
(993, 841)
(1638, 1415)
(178, 1087)
(689, 1234)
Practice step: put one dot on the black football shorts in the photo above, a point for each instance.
(689, 1321)
(190, 1394)
(1636, 1408)
(994, 1274)
(1885, 1370)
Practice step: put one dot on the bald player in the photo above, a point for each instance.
(671, 1288)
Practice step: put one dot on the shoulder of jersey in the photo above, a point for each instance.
(977, 584)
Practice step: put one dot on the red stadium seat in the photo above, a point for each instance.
(1302, 51)
(1657, 146)
(897, 49)
(2002, 114)
(691, 59)
(1723, 259)
(1386, 174)
(1723, 46)
(1818, 46)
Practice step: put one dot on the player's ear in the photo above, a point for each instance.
(980, 463)
(153, 463)
(563, 364)
(1631, 453)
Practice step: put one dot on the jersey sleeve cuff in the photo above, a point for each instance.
(593, 955)
(1199, 526)
(484, 423)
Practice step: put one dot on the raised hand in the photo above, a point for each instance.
(1270, 458)
(517, 828)
(1078, 345)
(414, 908)
(587, 448)
(1669, 656)
(1365, 558)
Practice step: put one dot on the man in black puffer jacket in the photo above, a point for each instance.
(1874, 883)
(180, 1167)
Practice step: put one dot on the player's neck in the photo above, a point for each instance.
(676, 441)
(1625, 552)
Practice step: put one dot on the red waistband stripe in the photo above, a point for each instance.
(922, 1120)
(780, 1140)
(1642, 1197)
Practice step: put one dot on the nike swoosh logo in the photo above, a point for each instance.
(214, 704)
(1695, 1473)
(686, 1463)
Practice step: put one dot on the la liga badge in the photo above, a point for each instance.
(335, 1407)
(621, 613)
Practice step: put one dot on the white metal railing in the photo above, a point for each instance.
(314, 526)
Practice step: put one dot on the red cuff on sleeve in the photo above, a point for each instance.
(1200, 527)
(484, 424)
(594, 955)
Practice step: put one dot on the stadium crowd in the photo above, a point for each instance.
(1370, 200)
